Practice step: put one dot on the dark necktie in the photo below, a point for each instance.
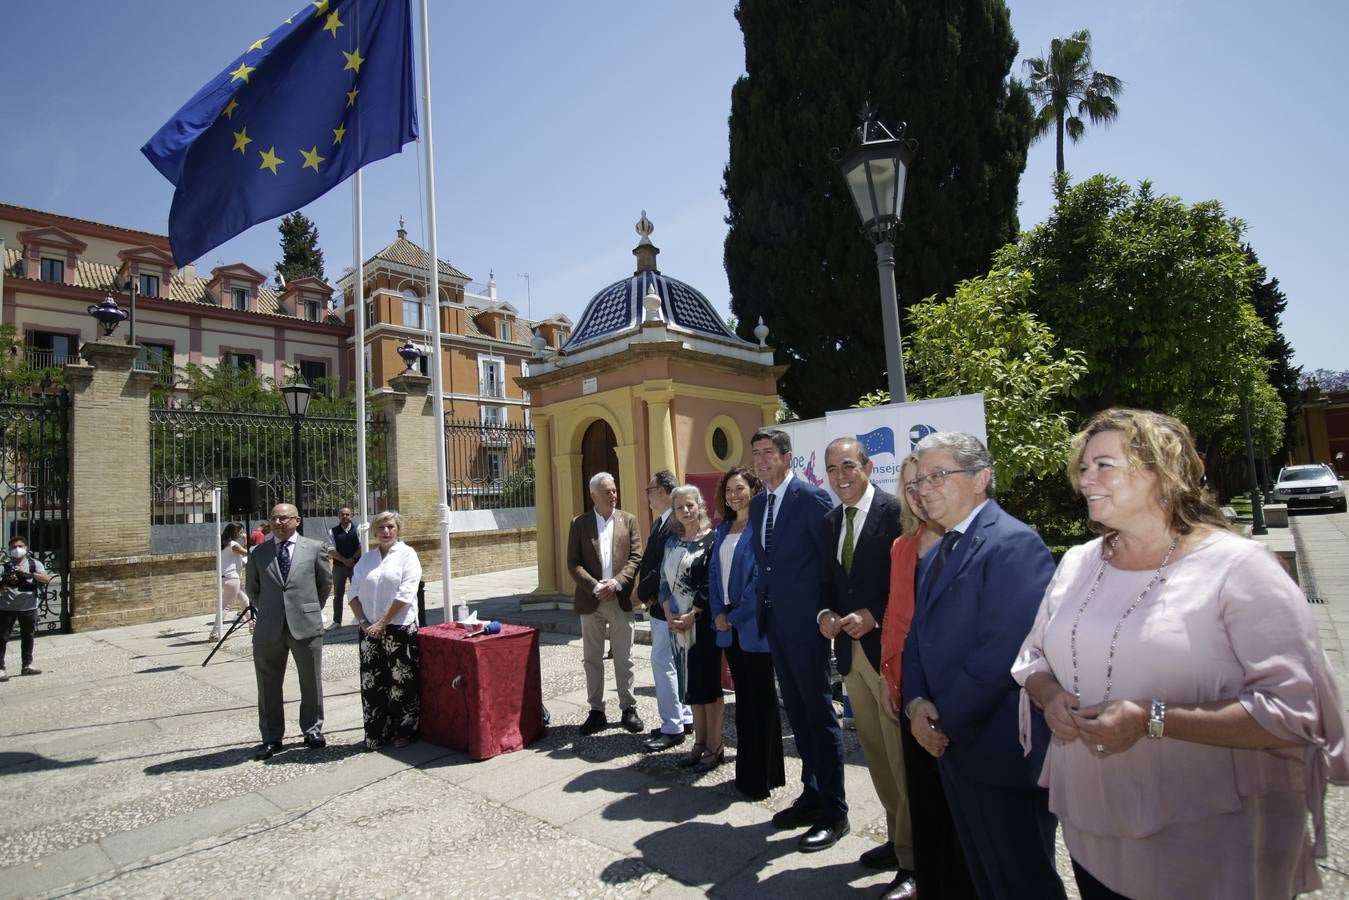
(283, 560)
(948, 543)
(768, 526)
(850, 513)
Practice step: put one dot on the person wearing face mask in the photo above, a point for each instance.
(22, 577)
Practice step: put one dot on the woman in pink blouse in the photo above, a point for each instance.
(1195, 717)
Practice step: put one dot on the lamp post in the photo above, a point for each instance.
(876, 169)
(296, 396)
(108, 314)
(1257, 498)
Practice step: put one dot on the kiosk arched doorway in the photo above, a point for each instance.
(598, 454)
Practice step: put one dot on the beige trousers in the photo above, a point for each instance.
(592, 653)
(881, 748)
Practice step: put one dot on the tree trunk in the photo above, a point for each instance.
(1058, 121)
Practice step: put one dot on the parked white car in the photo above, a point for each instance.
(1302, 487)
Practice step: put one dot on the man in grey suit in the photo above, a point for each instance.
(287, 579)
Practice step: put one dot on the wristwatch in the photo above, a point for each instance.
(1157, 722)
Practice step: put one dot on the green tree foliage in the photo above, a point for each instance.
(300, 253)
(794, 254)
(1270, 302)
(1065, 75)
(517, 488)
(1157, 295)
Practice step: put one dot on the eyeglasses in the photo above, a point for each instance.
(653, 487)
(911, 488)
(284, 518)
(936, 479)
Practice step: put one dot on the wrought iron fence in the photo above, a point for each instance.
(35, 493)
(193, 451)
(488, 466)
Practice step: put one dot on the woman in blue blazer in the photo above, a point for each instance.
(734, 604)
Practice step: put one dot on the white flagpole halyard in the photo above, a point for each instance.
(437, 383)
(358, 314)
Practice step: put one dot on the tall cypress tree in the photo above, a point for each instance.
(1270, 301)
(300, 253)
(794, 252)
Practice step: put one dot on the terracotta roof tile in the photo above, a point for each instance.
(404, 252)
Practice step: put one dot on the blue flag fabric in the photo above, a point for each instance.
(297, 113)
(881, 440)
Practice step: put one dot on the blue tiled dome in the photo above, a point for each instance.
(618, 308)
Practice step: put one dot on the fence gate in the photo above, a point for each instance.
(35, 493)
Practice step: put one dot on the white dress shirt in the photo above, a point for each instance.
(863, 507)
(778, 492)
(380, 580)
(605, 527)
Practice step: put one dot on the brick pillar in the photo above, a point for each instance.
(109, 480)
(413, 484)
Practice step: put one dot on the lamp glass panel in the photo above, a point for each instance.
(883, 177)
(860, 190)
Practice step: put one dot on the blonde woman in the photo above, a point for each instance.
(384, 604)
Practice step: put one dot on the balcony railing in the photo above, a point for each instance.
(48, 359)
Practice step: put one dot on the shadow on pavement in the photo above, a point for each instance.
(36, 762)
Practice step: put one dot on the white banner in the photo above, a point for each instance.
(809, 438)
(890, 432)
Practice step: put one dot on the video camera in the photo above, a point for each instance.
(14, 577)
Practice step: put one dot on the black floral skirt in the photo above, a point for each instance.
(391, 695)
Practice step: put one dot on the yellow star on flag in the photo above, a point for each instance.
(334, 23)
(257, 45)
(338, 133)
(241, 140)
(242, 73)
(353, 60)
(320, 7)
(228, 111)
(270, 160)
(312, 158)
(351, 96)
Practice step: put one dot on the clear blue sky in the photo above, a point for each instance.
(556, 124)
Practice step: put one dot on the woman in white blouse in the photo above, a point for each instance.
(384, 603)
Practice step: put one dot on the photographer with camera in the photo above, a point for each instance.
(19, 583)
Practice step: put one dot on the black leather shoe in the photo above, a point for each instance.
(881, 856)
(594, 722)
(823, 835)
(662, 742)
(798, 815)
(904, 887)
(267, 750)
(631, 721)
(315, 741)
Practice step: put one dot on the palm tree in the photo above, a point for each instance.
(1066, 75)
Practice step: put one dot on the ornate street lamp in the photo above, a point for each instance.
(876, 169)
(108, 314)
(297, 396)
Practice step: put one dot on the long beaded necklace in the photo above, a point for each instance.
(1114, 639)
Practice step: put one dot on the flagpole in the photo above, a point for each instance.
(437, 382)
(358, 314)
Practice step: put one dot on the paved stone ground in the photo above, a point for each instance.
(127, 771)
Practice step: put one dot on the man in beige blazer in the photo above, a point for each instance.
(604, 549)
(287, 579)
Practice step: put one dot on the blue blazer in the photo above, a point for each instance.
(789, 578)
(743, 609)
(967, 629)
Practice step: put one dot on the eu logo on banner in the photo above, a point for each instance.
(881, 440)
(297, 113)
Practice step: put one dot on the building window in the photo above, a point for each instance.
(369, 367)
(493, 415)
(239, 296)
(157, 358)
(413, 311)
(47, 349)
(491, 381)
(505, 329)
(149, 286)
(495, 465)
(424, 364)
(53, 270)
(246, 361)
(311, 310)
(369, 313)
(314, 371)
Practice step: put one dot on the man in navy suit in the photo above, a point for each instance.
(855, 560)
(979, 591)
(788, 518)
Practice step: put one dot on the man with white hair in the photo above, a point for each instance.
(604, 549)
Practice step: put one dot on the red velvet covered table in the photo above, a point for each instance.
(481, 694)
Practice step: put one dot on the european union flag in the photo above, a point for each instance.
(297, 113)
(882, 440)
